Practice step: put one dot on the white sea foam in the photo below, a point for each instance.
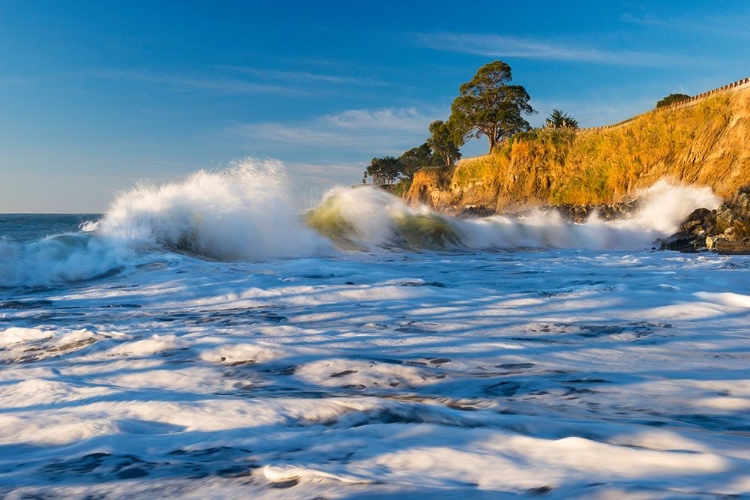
(383, 374)
(60, 259)
(372, 218)
(243, 213)
(22, 335)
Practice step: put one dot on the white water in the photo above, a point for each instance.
(245, 214)
(375, 217)
(240, 214)
(490, 375)
(241, 367)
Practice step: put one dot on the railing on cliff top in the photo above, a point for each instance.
(745, 82)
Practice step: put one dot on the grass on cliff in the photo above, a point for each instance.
(598, 166)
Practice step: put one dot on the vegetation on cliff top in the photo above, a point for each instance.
(701, 143)
(672, 99)
(486, 105)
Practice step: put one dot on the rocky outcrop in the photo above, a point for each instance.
(431, 187)
(581, 213)
(725, 230)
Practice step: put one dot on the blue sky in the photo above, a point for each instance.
(97, 96)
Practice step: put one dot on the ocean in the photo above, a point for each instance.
(211, 339)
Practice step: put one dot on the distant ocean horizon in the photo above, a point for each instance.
(27, 227)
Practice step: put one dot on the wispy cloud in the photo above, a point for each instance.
(526, 48)
(728, 27)
(395, 119)
(385, 131)
(219, 85)
(237, 80)
(594, 112)
(303, 76)
(326, 174)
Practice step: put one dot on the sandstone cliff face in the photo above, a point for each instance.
(706, 142)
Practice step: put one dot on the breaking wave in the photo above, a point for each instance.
(59, 259)
(242, 213)
(245, 213)
(369, 217)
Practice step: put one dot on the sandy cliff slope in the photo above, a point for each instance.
(705, 142)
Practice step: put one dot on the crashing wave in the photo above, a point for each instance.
(245, 213)
(367, 217)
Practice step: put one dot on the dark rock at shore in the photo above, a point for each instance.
(581, 213)
(693, 232)
(476, 212)
(725, 230)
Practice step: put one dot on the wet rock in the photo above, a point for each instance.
(476, 211)
(725, 230)
(732, 247)
(733, 217)
(580, 213)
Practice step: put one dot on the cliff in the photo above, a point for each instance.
(705, 141)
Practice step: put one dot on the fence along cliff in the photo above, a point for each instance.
(702, 141)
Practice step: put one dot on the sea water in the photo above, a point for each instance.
(206, 339)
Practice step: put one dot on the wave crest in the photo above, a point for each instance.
(243, 213)
(368, 217)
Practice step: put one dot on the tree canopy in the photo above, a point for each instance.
(416, 158)
(672, 99)
(488, 106)
(384, 170)
(444, 141)
(559, 119)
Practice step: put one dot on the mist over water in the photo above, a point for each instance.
(245, 214)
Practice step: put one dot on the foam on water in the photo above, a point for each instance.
(60, 259)
(565, 374)
(245, 213)
(369, 217)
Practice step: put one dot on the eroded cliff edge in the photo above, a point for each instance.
(705, 142)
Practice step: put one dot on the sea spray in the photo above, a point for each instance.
(242, 213)
(367, 217)
(59, 259)
(666, 205)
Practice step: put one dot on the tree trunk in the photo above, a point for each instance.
(491, 133)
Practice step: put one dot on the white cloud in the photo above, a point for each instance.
(403, 119)
(526, 48)
(220, 85)
(724, 26)
(381, 131)
(593, 113)
(303, 76)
